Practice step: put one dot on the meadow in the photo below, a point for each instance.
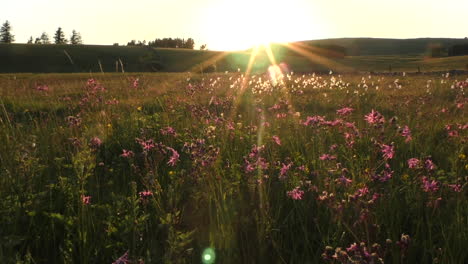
(362, 55)
(229, 168)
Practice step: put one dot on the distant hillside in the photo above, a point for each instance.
(96, 58)
(361, 55)
(381, 46)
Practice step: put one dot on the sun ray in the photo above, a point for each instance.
(312, 54)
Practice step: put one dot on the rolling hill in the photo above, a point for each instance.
(363, 54)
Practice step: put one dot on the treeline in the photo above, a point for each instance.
(166, 43)
(436, 51)
(458, 50)
(59, 37)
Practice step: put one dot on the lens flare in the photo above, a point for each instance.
(208, 256)
(275, 74)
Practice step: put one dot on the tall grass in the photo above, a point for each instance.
(156, 168)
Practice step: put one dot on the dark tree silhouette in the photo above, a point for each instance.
(172, 43)
(75, 38)
(30, 40)
(45, 38)
(60, 37)
(5, 33)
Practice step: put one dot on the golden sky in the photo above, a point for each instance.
(239, 24)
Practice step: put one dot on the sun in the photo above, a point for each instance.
(243, 24)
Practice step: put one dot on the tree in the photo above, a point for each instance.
(203, 47)
(60, 37)
(5, 33)
(37, 41)
(75, 38)
(189, 44)
(30, 40)
(45, 38)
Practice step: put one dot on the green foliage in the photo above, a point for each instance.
(88, 170)
(59, 37)
(5, 33)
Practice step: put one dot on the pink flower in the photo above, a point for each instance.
(85, 199)
(353, 247)
(344, 111)
(145, 194)
(374, 117)
(42, 88)
(122, 260)
(284, 170)
(95, 142)
(429, 165)
(453, 133)
(314, 120)
(277, 140)
(327, 157)
(146, 145)
(168, 131)
(136, 83)
(343, 180)
(406, 132)
(388, 151)
(296, 194)
(174, 158)
(127, 154)
(455, 187)
(413, 163)
(428, 185)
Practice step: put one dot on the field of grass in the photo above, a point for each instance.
(24, 58)
(224, 168)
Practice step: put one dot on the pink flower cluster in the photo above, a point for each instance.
(296, 194)
(374, 118)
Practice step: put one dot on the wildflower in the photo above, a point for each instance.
(429, 165)
(344, 111)
(250, 167)
(314, 120)
(428, 185)
(404, 242)
(42, 88)
(122, 260)
(136, 83)
(95, 142)
(343, 180)
(327, 157)
(174, 158)
(277, 140)
(127, 153)
(146, 145)
(168, 131)
(462, 156)
(406, 132)
(413, 163)
(73, 121)
(374, 117)
(388, 151)
(353, 247)
(284, 170)
(296, 193)
(455, 187)
(85, 199)
(145, 194)
(139, 108)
